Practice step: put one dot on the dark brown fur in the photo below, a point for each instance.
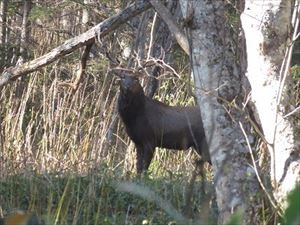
(150, 123)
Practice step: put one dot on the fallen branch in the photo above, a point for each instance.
(72, 44)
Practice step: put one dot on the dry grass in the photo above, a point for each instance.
(56, 160)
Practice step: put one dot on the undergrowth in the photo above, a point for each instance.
(94, 198)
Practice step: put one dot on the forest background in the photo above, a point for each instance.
(64, 152)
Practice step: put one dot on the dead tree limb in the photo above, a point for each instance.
(81, 71)
(72, 44)
(173, 27)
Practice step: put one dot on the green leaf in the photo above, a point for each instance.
(292, 213)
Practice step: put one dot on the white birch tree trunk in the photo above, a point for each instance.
(267, 27)
(218, 78)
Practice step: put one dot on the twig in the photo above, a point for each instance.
(256, 171)
(151, 37)
(291, 113)
(81, 71)
(161, 62)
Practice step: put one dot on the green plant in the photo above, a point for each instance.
(292, 212)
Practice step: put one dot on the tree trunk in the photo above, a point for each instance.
(267, 28)
(218, 79)
(3, 34)
(3, 20)
(25, 31)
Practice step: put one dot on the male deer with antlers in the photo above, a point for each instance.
(150, 123)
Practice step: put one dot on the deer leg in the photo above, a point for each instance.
(148, 156)
(139, 159)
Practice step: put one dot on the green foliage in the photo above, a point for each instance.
(41, 12)
(93, 198)
(13, 8)
(296, 53)
(295, 71)
(292, 213)
(236, 219)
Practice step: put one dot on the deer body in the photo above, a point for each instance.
(150, 123)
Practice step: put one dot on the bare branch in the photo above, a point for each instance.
(273, 203)
(168, 19)
(292, 112)
(81, 71)
(70, 45)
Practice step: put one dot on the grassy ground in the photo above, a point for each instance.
(102, 196)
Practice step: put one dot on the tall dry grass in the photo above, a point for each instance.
(46, 128)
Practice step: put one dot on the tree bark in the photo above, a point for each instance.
(25, 31)
(72, 44)
(3, 20)
(218, 78)
(3, 33)
(267, 29)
